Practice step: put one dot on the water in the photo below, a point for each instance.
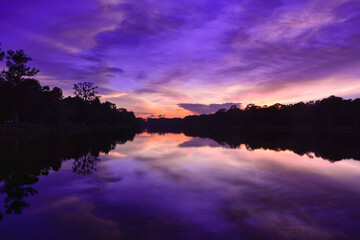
(173, 186)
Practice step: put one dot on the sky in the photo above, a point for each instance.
(179, 57)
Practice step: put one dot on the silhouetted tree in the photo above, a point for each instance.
(17, 87)
(18, 71)
(2, 54)
(23, 99)
(329, 114)
(85, 91)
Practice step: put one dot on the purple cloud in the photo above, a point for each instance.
(185, 51)
(206, 109)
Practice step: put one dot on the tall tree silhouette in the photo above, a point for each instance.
(2, 54)
(86, 91)
(16, 80)
(18, 71)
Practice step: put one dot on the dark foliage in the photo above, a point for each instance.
(94, 112)
(329, 114)
(86, 91)
(329, 128)
(24, 100)
(2, 54)
(332, 114)
(163, 125)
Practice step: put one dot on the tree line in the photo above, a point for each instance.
(330, 114)
(24, 100)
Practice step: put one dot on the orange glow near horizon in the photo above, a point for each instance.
(156, 104)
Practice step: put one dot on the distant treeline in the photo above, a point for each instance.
(24, 100)
(329, 114)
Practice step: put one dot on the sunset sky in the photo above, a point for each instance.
(176, 57)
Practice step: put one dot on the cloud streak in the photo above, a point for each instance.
(163, 54)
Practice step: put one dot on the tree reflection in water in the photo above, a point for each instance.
(86, 164)
(22, 162)
(17, 188)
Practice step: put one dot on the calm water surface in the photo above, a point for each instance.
(177, 187)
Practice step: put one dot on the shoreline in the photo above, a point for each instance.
(29, 131)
